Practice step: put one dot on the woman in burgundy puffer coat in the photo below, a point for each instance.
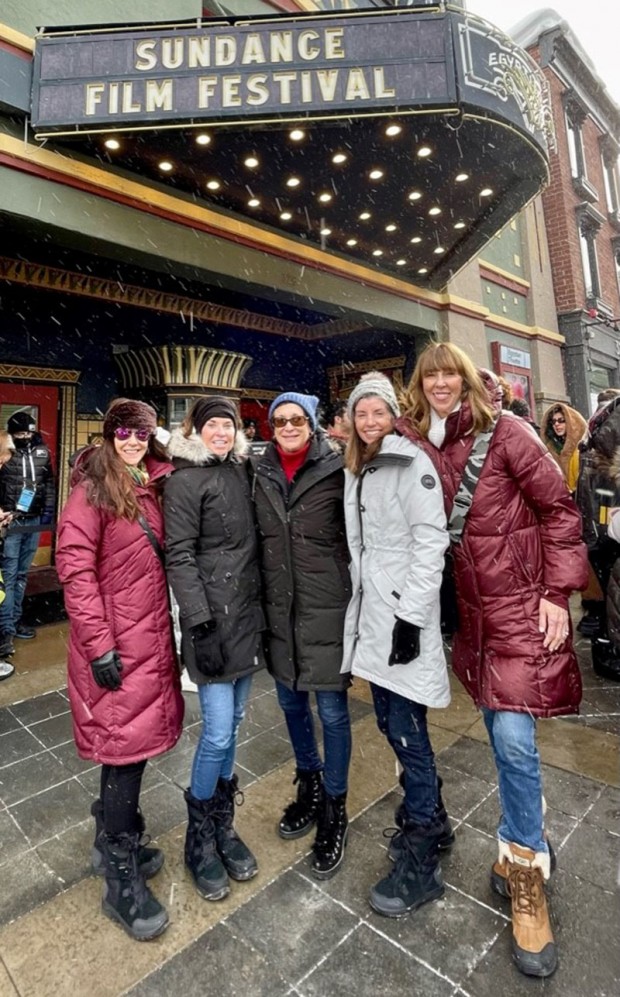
(519, 557)
(124, 686)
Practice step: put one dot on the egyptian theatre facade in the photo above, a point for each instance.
(245, 197)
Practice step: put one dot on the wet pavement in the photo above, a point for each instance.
(283, 932)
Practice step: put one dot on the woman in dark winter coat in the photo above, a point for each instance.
(211, 557)
(598, 497)
(396, 528)
(124, 685)
(298, 490)
(519, 557)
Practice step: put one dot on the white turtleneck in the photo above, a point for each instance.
(437, 428)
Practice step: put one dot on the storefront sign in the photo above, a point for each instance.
(313, 67)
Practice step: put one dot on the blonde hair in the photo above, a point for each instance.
(357, 453)
(6, 444)
(446, 357)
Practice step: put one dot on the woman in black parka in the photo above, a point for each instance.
(212, 565)
(298, 491)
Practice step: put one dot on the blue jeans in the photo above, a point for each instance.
(403, 722)
(513, 740)
(18, 554)
(334, 715)
(223, 708)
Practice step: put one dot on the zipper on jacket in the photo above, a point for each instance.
(362, 550)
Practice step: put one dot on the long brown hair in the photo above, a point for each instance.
(357, 453)
(446, 357)
(109, 486)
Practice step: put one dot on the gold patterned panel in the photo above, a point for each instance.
(21, 372)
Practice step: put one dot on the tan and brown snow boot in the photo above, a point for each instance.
(533, 948)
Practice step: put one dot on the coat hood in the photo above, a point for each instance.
(576, 426)
(192, 449)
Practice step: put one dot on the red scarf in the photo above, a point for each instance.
(291, 462)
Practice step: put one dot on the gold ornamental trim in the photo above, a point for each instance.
(69, 282)
(29, 373)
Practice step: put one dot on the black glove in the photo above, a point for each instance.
(208, 651)
(405, 643)
(107, 670)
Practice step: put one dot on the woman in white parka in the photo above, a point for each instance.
(396, 530)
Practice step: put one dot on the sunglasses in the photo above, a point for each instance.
(558, 422)
(123, 433)
(279, 422)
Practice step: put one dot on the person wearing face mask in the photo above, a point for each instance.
(298, 493)
(124, 686)
(27, 491)
(517, 555)
(396, 528)
(562, 430)
(212, 565)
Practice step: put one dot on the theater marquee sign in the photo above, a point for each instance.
(319, 67)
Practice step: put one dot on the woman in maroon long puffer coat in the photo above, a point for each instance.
(124, 686)
(519, 558)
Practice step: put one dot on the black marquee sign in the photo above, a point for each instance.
(345, 66)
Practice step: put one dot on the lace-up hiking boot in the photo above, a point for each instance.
(533, 947)
(331, 837)
(239, 861)
(446, 835)
(415, 878)
(150, 860)
(300, 816)
(201, 855)
(126, 897)
(499, 872)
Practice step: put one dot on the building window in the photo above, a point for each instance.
(609, 156)
(589, 221)
(575, 147)
(575, 113)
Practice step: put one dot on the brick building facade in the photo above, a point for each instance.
(581, 207)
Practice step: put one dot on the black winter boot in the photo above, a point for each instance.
(239, 861)
(300, 816)
(331, 837)
(126, 897)
(446, 834)
(201, 857)
(150, 860)
(416, 877)
(605, 660)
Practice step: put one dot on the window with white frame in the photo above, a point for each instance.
(575, 114)
(609, 156)
(589, 222)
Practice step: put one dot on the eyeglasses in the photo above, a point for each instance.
(559, 421)
(123, 433)
(279, 422)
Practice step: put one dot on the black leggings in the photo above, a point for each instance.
(120, 795)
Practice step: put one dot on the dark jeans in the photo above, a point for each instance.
(120, 795)
(17, 556)
(334, 715)
(403, 722)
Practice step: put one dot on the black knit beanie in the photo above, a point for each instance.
(214, 407)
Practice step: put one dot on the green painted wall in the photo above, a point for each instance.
(29, 15)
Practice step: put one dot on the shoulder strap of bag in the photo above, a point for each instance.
(155, 544)
(471, 476)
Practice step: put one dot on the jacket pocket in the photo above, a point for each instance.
(386, 588)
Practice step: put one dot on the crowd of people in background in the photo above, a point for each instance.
(326, 554)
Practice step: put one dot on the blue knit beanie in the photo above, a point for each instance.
(309, 403)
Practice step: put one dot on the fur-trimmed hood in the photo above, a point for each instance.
(192, 450)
